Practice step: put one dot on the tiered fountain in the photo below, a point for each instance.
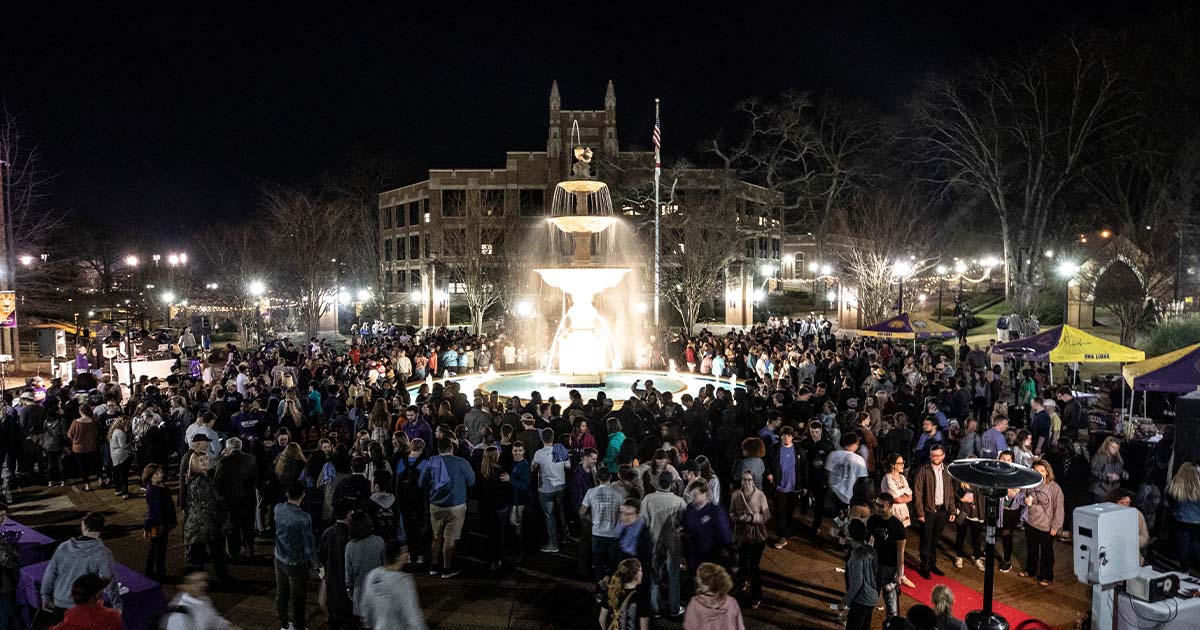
(583, 349)
(585, 353)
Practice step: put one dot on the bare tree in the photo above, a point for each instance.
(474, 255)
(698, 244)
(306, 233)
(889, 227)
(358, 189)
(815, 152)
(231, 257)
(1020, 132)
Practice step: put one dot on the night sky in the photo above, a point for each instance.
(172, 121)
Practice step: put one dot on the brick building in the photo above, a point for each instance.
(414, 218)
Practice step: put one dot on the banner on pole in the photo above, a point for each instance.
(8, 309)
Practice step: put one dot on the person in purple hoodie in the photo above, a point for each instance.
(707, 529)
(417, 426)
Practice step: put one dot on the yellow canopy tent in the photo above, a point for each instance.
(1069, 344)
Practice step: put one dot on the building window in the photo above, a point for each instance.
(414, 213)
(427, 254)
(387, 248)
(456, 287)
(454, 203)
(390, 286)
(533, 202)
(387, 218)
(400, 248)
(414, 247)
(400, 215)
(400, 277)
(414, 279)
(491, 202)
(749, 248)
(775, 248)
(485, 249)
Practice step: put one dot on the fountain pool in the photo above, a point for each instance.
(618, 384)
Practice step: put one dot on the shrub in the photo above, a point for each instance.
(1173, 334)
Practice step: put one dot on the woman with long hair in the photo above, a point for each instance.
(750, 513)
(494, 494)
(711, 608)
(1184, 495)
(83, 435)
(160, 519)
(379, 423)
(1043, 519)
(203, 530)
(120, 448)
(1107, 469)
(620, 610)
(709, 477)
(895, 484)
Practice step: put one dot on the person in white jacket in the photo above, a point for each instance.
(192, 609)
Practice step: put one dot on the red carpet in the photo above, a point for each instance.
(966, 599)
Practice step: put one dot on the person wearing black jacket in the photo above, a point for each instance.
(236, 479)
(786, 481)
(816, 448)
(1072, 413)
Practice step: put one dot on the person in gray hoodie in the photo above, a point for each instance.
(79, 556)
(364, 553)
(389, 600)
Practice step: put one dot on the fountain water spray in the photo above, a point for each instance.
(584, 347)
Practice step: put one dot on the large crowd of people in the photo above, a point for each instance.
(347, 465)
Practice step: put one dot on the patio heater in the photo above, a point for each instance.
(992, 479)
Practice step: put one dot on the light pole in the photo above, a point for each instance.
(1067, 270)
(256, 289)
(168, 298)
(901, 268)
(941, 274)
(960, 267)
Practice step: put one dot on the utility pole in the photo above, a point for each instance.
(9, 339)
(657, 214)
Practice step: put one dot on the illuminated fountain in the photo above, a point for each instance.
(583, 349)
(584, 352)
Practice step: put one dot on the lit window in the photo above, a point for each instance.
(457, 287)
(485, 249)
(427, 217)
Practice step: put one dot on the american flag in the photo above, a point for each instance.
(657, 134)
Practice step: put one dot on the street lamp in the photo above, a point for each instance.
(767, 270)
(941, 274)
(256, 288)
(25, 259)
(1067, 270)
(173, 259)
(960, 267)
(900, 269)
(131, 260)
(168, 297)
(364, 295)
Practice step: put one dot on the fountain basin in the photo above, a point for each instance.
(618, 384)
(583, 280)
(583, 223)
(582, 185)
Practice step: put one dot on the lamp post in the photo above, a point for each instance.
(168, 298)
(901, 268)
(960, 267)
(256, 289)
(941, 274)
(1067, 270)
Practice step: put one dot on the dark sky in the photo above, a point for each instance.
(172, 120)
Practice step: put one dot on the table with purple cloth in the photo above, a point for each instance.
(32, 545)
(143, 604)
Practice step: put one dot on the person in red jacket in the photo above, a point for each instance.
(89, 612)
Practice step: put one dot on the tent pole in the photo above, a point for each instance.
(1052, 373)
(1122, 382)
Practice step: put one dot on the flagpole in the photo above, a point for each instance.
(657, 217)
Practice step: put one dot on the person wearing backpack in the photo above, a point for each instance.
(414, 504)
(383, 509)
(192, 609)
